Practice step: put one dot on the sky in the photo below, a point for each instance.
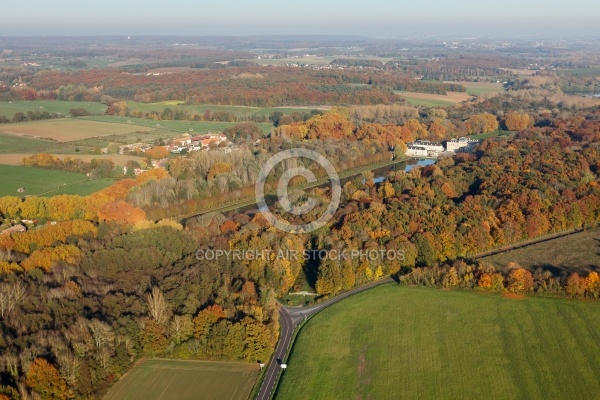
(282, 17)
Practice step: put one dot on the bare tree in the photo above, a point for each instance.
(158, 306)
(10, 363)
(102, 333)
(11, 294)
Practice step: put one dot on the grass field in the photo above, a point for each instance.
(239, 111)
(24, 144)
(9, 109)
(37, 181)
(481, 136)
(575, 253)
(185, 380)
(479, 88)
(68, 129)
(177, 126)
(434, 100)
(395, 342)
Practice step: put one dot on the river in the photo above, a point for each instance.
(379, 175)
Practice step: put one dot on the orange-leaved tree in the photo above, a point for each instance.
(44, 379)
(121, 211)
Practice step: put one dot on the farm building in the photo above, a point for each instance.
(13, 229)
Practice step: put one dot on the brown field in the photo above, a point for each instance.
(118, 159)
(522, 72)
(575, 253)
(66, 130)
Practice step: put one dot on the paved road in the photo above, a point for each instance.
(289, 319)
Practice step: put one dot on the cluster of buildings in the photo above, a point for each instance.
(196, 143)
(178, 145)
(425, 148)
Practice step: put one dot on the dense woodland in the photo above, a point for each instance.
(83, 298)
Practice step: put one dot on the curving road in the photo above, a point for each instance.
(289, 319)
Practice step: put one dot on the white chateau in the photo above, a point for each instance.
(424, 148)
(461, 145)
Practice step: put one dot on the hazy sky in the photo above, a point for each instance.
(249, 17)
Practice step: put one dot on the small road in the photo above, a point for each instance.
(289, 319)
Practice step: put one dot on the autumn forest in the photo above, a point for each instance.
(93, 283)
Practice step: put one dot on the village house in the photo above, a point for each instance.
(182, 142)
(13, 229)
(204, 142)
(162, 163)
(136, 171)
(133, 147)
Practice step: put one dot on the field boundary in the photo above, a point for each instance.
(526, 243)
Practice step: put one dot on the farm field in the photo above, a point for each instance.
(24, 144)
(37, 181)
(9, 109)
(240, 111)
(575, 253)
(434, 100)
(408, 343)
(68, 129)
(314, 60)
(479, 88)
(185, 380)
(118, 159)
(176, 126)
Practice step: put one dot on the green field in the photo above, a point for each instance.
(428, 102)
(239, 111)
(9, 109)
(575, 253)
(37, 181)
(24, 144)
(479, 88)
(481, 136)
(395, 342)
(176, 126)
(185, 380)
